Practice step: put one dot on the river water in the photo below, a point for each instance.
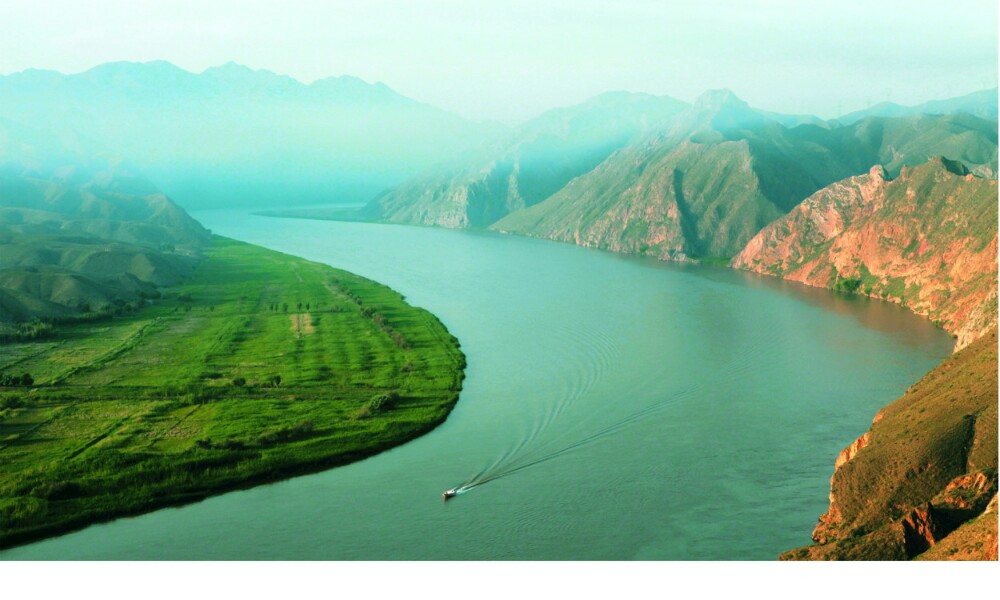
(656, 411)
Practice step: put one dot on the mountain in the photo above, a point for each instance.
(237, 136)
(981, 104)
(82, 234)
(529, 165)
(926, 239)
(724, 170)
(54, 182)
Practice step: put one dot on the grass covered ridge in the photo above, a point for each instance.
(259, 367)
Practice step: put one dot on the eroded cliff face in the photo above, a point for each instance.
(926, 240)
(924, 475)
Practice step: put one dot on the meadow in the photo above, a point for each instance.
(259, 367)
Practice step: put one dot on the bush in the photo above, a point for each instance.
(846, 285)
(12, 402)
(239, 381)
(379, 403)
(56, 490)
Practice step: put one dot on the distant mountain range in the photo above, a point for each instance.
(670, 180)
(235, 136)
(981, 104)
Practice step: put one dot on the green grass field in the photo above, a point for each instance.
(261, 366)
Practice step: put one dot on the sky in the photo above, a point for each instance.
(510, 60)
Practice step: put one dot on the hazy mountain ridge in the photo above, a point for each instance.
(926, 240)
(981, 104)
(61, 182)
(724, 171)
(529, 165)
(236, 136)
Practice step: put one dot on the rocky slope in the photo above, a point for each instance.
(724, 170)
(921, 482)
(531, 164)
(926, 240)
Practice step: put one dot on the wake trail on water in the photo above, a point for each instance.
(593, 355)
(512, 463)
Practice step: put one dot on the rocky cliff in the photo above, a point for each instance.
(921, 481)
(926, 239)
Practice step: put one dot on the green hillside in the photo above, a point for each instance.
(259, 367)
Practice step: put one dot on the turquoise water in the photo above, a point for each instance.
(657, 411)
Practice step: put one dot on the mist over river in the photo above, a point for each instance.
(614, 407)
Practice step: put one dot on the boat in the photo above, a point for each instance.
(449, 494)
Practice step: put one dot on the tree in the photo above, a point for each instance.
(27, 380)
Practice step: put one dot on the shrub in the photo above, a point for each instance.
(56, 490)
(379, 403)
(12, 402)
(239, 381)
(847, 285)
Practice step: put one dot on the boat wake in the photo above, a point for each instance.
(516, 461)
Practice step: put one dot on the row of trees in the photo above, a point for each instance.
(380, 320)
(274, 306)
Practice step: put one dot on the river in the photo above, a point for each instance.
(658, 411)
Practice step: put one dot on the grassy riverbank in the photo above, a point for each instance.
(259, 367)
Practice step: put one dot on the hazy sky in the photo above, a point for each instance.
(510, 59)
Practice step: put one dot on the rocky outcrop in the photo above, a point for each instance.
(926, 468)
(926, 240)
(974, 540)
